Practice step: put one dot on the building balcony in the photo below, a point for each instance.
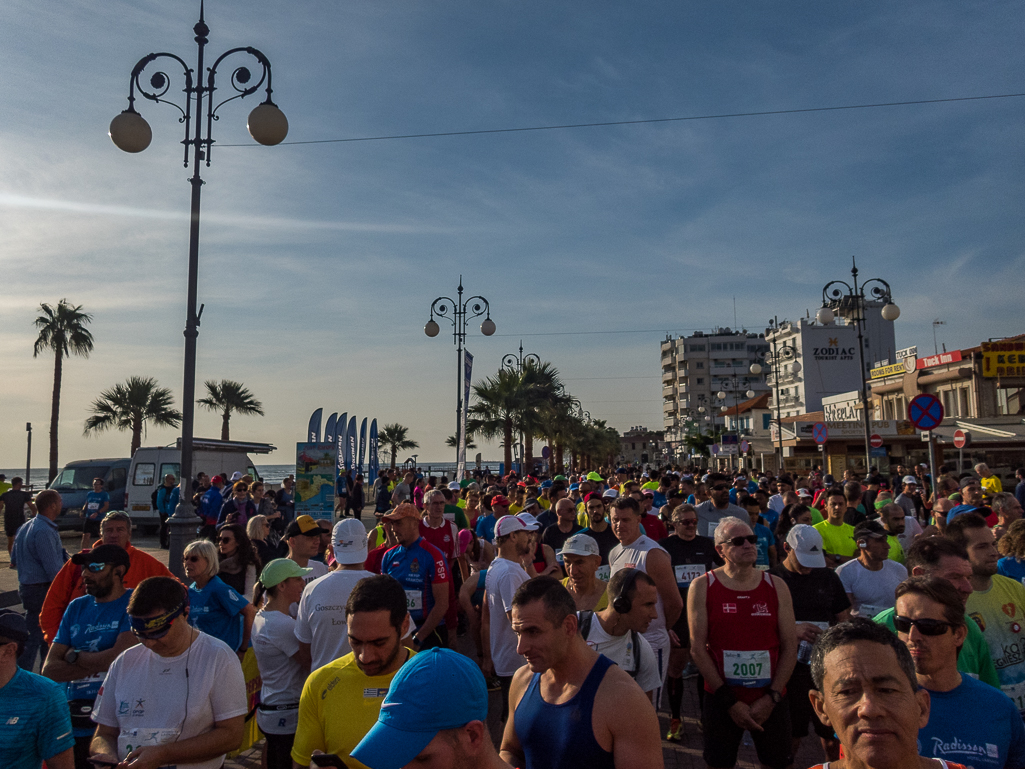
(668, 376)
(669, 391)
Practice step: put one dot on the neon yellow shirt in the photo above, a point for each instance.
(603, 602)
(461, 503)
(992, 484)
(896, 549)
(514, 508)
(1000, 613)
(837, 540)
(816, 515)
(338, 706)
(650, 485)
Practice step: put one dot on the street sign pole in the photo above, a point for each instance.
(932, 467)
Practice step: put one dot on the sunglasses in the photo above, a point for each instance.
(226, 539)
(154, 628)
(721, 487)
(931, 627)
(738, 541)
(687, 522)
(192, 559)
(95, 568)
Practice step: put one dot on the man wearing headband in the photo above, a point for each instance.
(177, 698)
(94, 631)
(35, 724)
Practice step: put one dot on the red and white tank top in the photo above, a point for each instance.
(743, 635)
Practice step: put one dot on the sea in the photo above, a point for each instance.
(272, 474)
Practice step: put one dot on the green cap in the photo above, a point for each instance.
(280, 569)
(593, 476)
(559, 478)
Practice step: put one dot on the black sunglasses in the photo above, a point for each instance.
(925, 626)
(720, 487)
(738, 541)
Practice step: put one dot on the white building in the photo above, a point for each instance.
(696, 367)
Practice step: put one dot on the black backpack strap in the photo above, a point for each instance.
(584, 619)
(636, 637)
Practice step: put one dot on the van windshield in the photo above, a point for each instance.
(79, 478)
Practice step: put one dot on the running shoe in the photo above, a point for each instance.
(689, 671)
(675, 732)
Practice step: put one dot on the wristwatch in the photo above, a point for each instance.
(775, 696)
(71, 656)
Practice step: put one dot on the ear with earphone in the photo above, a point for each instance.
(862, 544)
(622, 604)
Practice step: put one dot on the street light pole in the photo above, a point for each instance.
(461, 313)
(835, 293)
(131, 133)
(776, 359)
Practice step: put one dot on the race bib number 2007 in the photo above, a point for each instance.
(752, 669)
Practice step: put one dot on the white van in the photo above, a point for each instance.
(150, 465)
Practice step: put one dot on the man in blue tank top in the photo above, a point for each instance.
(570, 706)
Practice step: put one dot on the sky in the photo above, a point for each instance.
(319, 261)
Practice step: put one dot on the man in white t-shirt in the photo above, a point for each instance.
(176, 699)
(616, 631)
(320, 622)
(638, 551)
(871, 579)
(505, 574)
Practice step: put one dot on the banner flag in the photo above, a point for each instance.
(467, 377)
(373, 462)
(350, 444)
(313, 431)
(362, 446)
(340, 425)
(329, 430)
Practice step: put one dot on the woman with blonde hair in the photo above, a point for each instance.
(214, 607)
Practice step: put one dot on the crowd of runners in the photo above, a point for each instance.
(882, 613)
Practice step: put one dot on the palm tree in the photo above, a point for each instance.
(62, 329)
(130, 406)
(452, 441)
(542, 390)
(395, 437)
(227, 396)
(500, 401)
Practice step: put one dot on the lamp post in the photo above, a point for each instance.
(459, 312)
(131, 133)
(735, 389)
(780, 356)
(851, 298)
(516, 363)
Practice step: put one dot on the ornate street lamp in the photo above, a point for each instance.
(780, 356)
(130, 132)
(459, 312)
(843, 295)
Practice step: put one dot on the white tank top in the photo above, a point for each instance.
(635, 556)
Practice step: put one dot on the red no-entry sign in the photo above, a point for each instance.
(962, 438)
(875, 441)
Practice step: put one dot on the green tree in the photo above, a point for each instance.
(541, 391)
(452, 441)
(395, 438)
(227, 397)
(499, 402)
(62, 330)
(130, 406)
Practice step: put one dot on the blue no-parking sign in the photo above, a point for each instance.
(820, 433)
(925, 412)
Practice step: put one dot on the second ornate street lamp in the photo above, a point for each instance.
(779, 357)
(131, 133)
(735, 389)
(516, 364)
(851, 301)
(460, 312)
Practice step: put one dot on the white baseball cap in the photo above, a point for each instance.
(349, 541)
(806, 543)
(529, 521)
(804, 494)
(610, 493)
(580, 544)
(508, 524)
(910, 479)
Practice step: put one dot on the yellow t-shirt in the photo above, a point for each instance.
(837, 540)
(546, 504)
(650, 485)
(896, 549)
(514, 508)
(992, 484)
(338, 706)
(583, 521)
(461, 503)
(603, 602)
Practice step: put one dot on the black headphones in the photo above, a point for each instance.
(622, 604)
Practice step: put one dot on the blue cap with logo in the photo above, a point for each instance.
(435, 690)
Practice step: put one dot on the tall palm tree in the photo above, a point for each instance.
(500, 401)
(226, 397)
(62, 330)
(542, 390)
(452, 441)
(130, 406)
(395, 438)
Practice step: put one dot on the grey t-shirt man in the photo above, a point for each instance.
(709, 516)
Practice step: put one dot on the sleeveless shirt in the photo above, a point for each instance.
(635, 556)
(562, 736)
(743, 635)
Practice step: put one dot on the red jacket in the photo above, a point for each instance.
(67, 586)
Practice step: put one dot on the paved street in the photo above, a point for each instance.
(684, 755)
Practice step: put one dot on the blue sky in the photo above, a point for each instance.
(319, 261)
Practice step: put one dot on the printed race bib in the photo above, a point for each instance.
(869, 611)
(414, 600)
(1016, 692)
(130, 739)
(688, 572)
(752, 669)
(604, 573)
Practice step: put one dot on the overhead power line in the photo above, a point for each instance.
(645, 121)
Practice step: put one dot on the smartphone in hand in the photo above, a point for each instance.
(326, 760)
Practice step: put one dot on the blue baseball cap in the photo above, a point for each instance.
(574, 487)
(435, 690)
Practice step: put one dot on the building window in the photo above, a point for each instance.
(963, 393)
(700, 364)
(700, 380)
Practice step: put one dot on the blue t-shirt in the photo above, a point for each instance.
(210, 505)
(765, 541)
(216, 610)
(658, 500)
(35, 723)
(94, 502)
(1012, 568)
(975, 725)
(91, 626)
(486, 527)
(771, 518)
